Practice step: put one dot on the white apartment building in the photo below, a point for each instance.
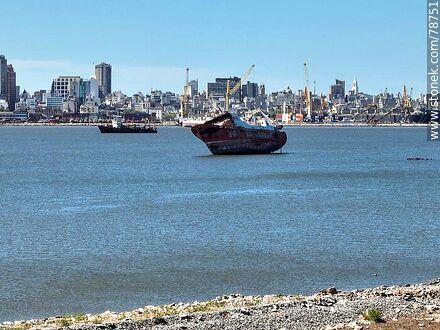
(66, 86)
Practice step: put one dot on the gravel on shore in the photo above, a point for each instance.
(395, 307)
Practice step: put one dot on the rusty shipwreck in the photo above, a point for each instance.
(228, 134)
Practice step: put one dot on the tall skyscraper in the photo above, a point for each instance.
(103, 73)
(3, 76)
(11, 85)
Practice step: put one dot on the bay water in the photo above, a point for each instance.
(90, 221)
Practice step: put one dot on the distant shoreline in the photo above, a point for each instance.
(170, 124)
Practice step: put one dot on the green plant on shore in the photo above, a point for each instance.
(373, 315)
(253, 302)
(97, 320)
(208, 307)
(65, 322)
(79, 317)
(14, 327)
(164, 311)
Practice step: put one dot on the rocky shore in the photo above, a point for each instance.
(395, 307)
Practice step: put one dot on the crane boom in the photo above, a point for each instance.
(244, 77)
(230, 92)
(306, 76)
(307, 93)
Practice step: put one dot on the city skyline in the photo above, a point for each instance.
(339, 40)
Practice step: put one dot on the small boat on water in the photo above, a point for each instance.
(118, 127)
(228, 134)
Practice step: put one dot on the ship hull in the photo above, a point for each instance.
(109, 129)
(421, 118)
(239, 140)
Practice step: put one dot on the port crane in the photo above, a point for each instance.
(307, 93)
(230, 92)
(185, 96)
(407, 103)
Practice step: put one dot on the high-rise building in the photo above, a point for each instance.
(3, 77)
(337, 90)
(249, 90)
(65, 86)
(103, 73)
(193, 87)
(91, 89)
(11, 82)
(218, 88)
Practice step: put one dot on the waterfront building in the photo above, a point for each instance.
(3, 77)
(193, 88)
(11, 79)
(69, 106)
(38, 95)
(155, 113)
(103, 73)
(337, 90)
(66, 86)
(169, 98)
(54, 102)
(26, 103)
(165, 99)
(115, 99)
(11, 115)
(249, 90)
(90, 106)
(31, 104)
(44, 96)
(218, 88)
(94, 88)
(3, 105)
(156, 97)
(90, 88)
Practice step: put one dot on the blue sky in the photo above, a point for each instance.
(150, 43)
